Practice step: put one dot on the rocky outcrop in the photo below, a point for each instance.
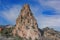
(51, 34)
(26, 25)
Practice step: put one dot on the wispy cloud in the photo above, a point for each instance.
(51, 3)
(11, 13)
(52, 21)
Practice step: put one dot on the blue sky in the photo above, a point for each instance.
(47, 12)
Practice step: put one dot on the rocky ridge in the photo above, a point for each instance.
(51, 34)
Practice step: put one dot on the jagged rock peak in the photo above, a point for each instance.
(26, 6)
(26, 11)
(26, 25)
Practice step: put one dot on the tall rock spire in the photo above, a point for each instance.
(26, 25)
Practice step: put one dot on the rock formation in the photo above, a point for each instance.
(26, 25)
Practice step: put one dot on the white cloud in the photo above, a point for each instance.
(48, 21)
(52, 21)
(51, 3)
(11, 13)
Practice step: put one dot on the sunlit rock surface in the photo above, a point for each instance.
(26, 25)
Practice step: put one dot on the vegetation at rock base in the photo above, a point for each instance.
(7, 32)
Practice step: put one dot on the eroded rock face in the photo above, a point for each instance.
(26, 25)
